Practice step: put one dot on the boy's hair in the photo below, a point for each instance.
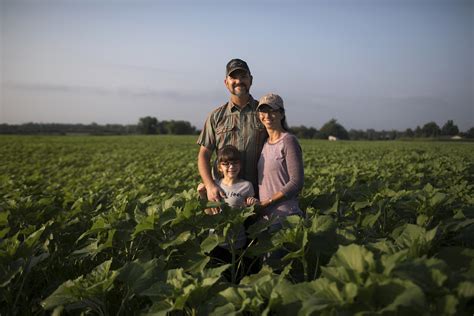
(228, 153)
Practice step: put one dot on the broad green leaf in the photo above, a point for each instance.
(390, 261)
(161, 308)
(350, 264)
(180, 239)
(370, 220)
(98, 225)
(225, 310)
(210, 242)
(416, 239)
(26, 247)
(84, 289)
(430, 274)
(4, 218)
(401, 294)
(447, 305)
(139, 275)
(147, 223)
(466, 289)
(9, 271)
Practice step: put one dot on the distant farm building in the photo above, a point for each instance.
(457, 137)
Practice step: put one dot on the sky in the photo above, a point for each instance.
(382, 64)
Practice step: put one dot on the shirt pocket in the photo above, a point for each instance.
(222, 130)
(225, 135)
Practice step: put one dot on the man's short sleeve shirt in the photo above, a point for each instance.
(231, 125)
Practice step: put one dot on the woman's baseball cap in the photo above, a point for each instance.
(272, 100)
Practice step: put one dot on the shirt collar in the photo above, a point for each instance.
(232, 107)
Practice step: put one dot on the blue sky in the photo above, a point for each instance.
(383, 64)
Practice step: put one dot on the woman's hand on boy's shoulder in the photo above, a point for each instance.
(251, 201)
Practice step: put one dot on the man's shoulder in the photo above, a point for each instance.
(220, 109)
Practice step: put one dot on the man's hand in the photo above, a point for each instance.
(214, 193)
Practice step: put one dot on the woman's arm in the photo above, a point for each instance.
(294, 164)
(275, 198)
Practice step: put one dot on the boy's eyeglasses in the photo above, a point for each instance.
(230, 162)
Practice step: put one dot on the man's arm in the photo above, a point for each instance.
(214, 193)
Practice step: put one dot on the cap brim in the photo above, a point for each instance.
(273, 107)
(238, 68)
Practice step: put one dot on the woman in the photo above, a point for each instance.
(280, 167)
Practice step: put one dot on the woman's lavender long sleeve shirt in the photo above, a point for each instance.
(280, 168)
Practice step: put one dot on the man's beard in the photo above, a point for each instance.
(241, 92)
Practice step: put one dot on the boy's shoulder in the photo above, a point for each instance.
(247, 186)
(243, 181)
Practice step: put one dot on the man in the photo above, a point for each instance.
(234, 123)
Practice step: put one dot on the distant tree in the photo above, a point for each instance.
(418, 132)
(371, 134)
(147, 125)
(161, 128)
(449, 129)
(431, 129)
(355, 134)
(409, 133)
(175, 128)
(470, 133)
(393, 134)
(304, 132)
(333, 128)
(179, 128)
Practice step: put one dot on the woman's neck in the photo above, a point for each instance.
(274, 134)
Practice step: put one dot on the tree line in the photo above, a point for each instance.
(428, 130)
(146, 125)
(149, 125)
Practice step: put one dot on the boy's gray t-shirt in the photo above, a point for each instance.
(237, 193)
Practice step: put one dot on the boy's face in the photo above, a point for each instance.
(230, 169)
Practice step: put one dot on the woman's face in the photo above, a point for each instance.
(230, 169)
(270, 118)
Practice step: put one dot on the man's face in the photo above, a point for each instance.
(238, 82)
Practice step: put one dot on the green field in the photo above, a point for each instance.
(112, 225)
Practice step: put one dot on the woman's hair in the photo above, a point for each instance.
(284, 124)
(228, 153)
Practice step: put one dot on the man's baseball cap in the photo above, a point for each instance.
(274, 101)
(236, 64)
